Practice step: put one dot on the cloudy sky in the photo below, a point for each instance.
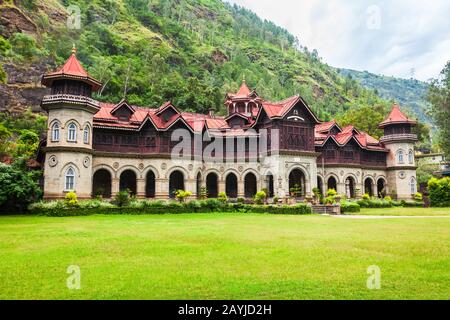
(391, 37)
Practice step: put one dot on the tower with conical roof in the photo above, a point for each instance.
(245, 102)
(399, 140)
(70, 108)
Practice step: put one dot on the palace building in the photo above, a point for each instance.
(96, 148)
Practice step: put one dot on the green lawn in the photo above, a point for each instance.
(405, 212)
(224, 256)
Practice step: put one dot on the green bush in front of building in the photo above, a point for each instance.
(439, 190)
(138, 207)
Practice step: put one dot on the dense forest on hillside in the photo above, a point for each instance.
(410, 93)
(189, 52)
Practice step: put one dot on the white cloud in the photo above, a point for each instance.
(408, 34)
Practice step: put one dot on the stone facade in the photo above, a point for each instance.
(95, 148)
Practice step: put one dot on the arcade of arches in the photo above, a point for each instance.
(103, 180)
(351, 189)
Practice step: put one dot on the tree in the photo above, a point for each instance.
(439, 98)
(18, 187)
(365, 118)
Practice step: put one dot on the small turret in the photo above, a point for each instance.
(399, 140)
(71, 78)
(68, 161)
(245, 102)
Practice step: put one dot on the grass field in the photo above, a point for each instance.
(224, 256)
(406, 212)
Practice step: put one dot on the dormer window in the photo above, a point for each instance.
(72, 132)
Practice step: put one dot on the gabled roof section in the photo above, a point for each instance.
(397, 117)
(123, 104)
(73, 70)
(346, 134)
(325, 127)
(237, 115)
(350, 128)
(281, 108)
(165, 106)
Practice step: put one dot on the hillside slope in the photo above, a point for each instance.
(190, 52)
(410, 93)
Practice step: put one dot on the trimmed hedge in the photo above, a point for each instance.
(352, 207)
(378, 203)
(90, 207)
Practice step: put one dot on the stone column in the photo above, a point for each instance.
(308, 191)
(221, 186)
(241, 189)
(191, 185)
(375, 189)
(162, 189)
(341, 188)
(115, 187)
(140, 188)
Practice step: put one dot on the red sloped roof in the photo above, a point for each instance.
(244, 91)
(278, 109)
(396, 117)
(71, 69)
(325, 126)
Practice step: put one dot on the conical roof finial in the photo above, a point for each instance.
(243, 77)
(74, 49)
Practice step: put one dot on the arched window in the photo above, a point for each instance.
(413, 185)
(55, 132)
(72, 132)
(400, 156)
(69, 180)
(411, 157)
(86, 135)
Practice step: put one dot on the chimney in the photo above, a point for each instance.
(211, 112)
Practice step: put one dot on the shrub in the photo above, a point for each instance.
(413, 204)
(222, 197)
(296, 191)
(375, 203)
(418, 196)
(366, 196)
(240, 200)
(439, 190)
(331, 192)
(387, 198)
(182, 195)
(348, 206)
(203, 193)
(328, 200)
(260, 197)
(122, 199)
(18, 187)
(71, 199)
(275, 200)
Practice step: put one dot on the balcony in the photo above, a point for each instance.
(70, 99)
(399, 137)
